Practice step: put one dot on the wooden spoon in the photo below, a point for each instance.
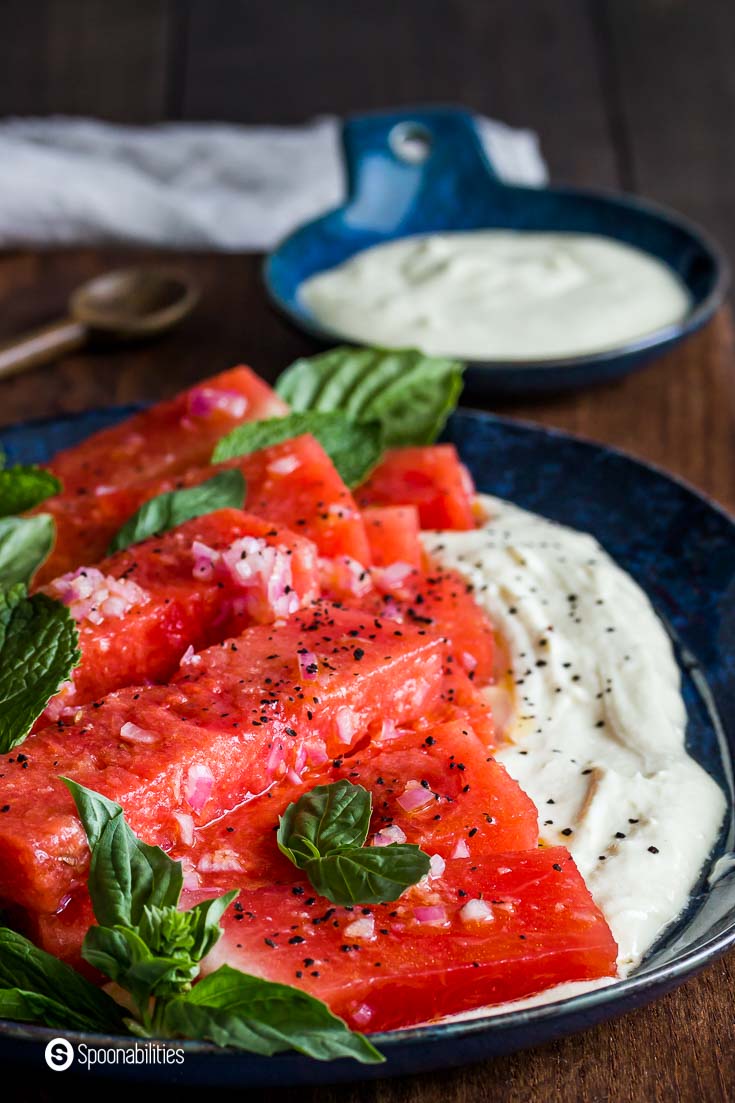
(129, 304)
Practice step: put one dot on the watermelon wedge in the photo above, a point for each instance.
(276, 701)
(138, 611)
(169, 437)
(293, 484)
(430, 478)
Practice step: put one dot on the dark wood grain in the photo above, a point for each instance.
(679, 413)
(676, 83)
(529, 64)
(85, 57)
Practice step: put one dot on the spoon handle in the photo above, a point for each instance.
(40, 346)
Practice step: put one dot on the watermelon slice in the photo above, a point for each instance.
(496, 919)
(294, 484)
(276, 701)
(393, 535)
(169, 437)
(138, 611)
(430, 478)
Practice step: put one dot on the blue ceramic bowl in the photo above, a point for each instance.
(392, 194)
(681, 549)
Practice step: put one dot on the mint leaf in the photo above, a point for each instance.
(353, 448)
(368, 874)
(222, 491)
(126, 875)
(231, 1008)
(328, 818)
(323, 833)
(36, 987)
(410, 394)
(38, 651)
(24, 544)
(22, 487)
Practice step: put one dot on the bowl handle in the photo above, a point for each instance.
(399, 161)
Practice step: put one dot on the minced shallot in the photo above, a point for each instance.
(93, 596)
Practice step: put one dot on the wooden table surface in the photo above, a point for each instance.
(679, 413)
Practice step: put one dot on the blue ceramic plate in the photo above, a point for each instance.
(681, 549)
(425, 171)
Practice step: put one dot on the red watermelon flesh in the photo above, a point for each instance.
(293, 484)
(277, 700)
(169, 437)
(139, 610)
(432, 478)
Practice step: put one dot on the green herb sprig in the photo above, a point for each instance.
(153, 951)
(323, 833)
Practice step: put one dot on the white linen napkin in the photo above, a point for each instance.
(70, 181)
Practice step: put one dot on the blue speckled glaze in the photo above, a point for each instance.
(681, 549)
(456, 188)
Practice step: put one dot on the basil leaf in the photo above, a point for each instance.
(38, 651)
(40, 983)
(328, 818)
(231, 1008)
(126, 875)
(22, 488)
(368, 874)
(410, 394)
(25, 542)
(206, 930)
(122, 955)
(226, 489)
(353, 448)
(323, 833)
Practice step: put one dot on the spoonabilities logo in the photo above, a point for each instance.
(59, 1054)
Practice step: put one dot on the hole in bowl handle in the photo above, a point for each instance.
(399, 162)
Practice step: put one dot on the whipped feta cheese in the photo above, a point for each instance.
(499, 294)
(595, 734)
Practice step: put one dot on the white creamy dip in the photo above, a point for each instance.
(498, 295)
(598, 723)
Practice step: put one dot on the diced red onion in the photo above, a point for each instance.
(364, 927)
(390, 611)
(345, 575)
(220, 861)
(476, 911)
(469, 662)
(389, 729)
(308, 665)
(363, 1015)
(300, 759)
(275, 758)
(437, 865)
(192, 879)
(433, 914)
(293, 777)
(186, 827)
(317, 754)
(284, 465)
(190, 658)
(205, 559)
(461, 849)
(263, 572)
(414, 796)
(347, 724)
(394, 576)
(203, 401)
(93, 596)
(199, 782)
(387, 835)
(131, 733)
